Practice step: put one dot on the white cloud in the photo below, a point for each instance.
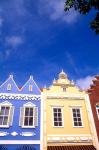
(14, 41)
(84, 83)
(4, 55)
(55, 10)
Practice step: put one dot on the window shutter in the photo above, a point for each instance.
(35, 116)
(11, 114)
(21, 116)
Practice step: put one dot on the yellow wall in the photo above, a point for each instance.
(67, 117)
(64, 99)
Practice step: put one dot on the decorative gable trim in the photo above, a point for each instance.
(9, 96)
(6, 103)
(31, 78)
(29, 104)
(10, 77)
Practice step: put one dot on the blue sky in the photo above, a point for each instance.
(39, 38)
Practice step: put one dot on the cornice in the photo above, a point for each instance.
(67, 96)
(10, 96)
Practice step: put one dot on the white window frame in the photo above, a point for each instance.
(6, 104)
(9, 87)
(28, 105)
(24, 126)
(62, 116)
(80, 117)
(97, 108)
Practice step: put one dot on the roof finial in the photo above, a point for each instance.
(31, 77)
(11, 76)
(62, 75)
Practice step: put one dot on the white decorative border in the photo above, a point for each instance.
(19, 142)
(66, 96)
(70, 138)
(7, 96)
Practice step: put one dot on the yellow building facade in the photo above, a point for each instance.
(68, 121)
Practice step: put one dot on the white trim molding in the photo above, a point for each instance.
(8, 96)
(19, 142)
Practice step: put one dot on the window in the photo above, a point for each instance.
(97, 109)
(9, 87)
(28, 116)
(77, 117)
(64, 89)
(57, 113)
(30, 88)
(6, 114)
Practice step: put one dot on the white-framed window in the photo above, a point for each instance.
(28, 116)
(30, 88)
(6, 114)
(97, 110)
(57, 117)
(77, 119)
(9, 87)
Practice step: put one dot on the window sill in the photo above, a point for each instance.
(30, 127)
(4, 126)
(78, 126)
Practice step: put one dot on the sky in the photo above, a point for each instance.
(38, 38)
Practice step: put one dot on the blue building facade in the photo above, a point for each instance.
(20, 116)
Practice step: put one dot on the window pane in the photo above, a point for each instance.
(1, 120)
(78, 115)
(31, 111)
(2, 111)
(60, 123)
(7, 110)
(75, 119)
(55, 114)
(55, 123)
(59, 114)
(59, 110)
(31, 121)
(26, 111)
(79, 123)
(73, 110)
(75, 124)
(74, 115)
(5, 120)
(78, 111)
(79, 119)
(26, 121)
(55, 109)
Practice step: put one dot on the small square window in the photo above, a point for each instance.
(64, 89)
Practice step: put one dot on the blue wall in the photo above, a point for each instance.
(20, 147)
(15, 126)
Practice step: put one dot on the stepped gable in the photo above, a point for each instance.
(9, 86)
(30, 87)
